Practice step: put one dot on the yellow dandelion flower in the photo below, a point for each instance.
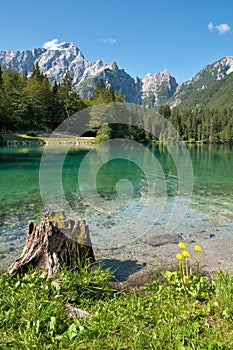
(179, 256)
(185, 253)
(198, 248)
(181, 245)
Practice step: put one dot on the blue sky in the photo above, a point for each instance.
(141, 36)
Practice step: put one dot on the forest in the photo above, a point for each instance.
(34, 103)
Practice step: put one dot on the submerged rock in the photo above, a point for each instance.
(158, 241)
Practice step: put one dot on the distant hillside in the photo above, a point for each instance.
(218, 95)
(209, 75)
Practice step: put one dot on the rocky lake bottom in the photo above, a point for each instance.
(129, 250)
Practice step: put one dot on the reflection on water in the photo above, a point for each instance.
(213, 171)
(19, 181)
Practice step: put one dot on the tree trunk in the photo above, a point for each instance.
(55, 241)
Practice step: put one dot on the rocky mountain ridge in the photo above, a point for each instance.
(158, 87)
(152, 90)
(203, 79)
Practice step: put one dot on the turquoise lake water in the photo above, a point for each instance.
(112, 187)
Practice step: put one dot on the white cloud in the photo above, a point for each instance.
(52, 45)
(221, 28)
(110, 41)
(210, 26)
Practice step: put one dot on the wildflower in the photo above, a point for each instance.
(181, 260)
(179, 256)
(198, 248)
(185, 253)
(181, 245)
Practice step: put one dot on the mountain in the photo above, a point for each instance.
(202, 80)
(118, 78)
(220, 93)
(152, 90)
(54, 63)
(158, 88)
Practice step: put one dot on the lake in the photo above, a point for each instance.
(127, 195)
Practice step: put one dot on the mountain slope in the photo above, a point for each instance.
(203, 79)
(158, 88)
(118, 78)
(218, 94)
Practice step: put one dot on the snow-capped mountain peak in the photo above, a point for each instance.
(55, 58)
(53, 45)
(158, 87)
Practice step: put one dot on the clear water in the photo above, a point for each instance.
(213, 180)
(122, 195)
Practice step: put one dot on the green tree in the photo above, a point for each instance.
(68, 96)
(165, 111)
(104, 133)
(1, 79)
(36, 72)
(39, 99)
(103, 94)
(99, 93)
(13, 106)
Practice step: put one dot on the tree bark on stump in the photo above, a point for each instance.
(55, 241)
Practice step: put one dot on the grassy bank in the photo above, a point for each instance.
(27, 138)
(160, 315)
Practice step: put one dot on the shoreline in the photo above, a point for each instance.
(149, 254)
(14, 139)
(68, 142)
(43, 139)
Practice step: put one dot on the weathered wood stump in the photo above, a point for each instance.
(55, 241)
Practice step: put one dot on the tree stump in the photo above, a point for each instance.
(55, 241)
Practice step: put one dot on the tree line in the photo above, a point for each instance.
(200, 124)
(197, 125)
(32, 103)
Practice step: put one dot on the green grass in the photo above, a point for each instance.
(21, 137)
(158, 316)
(17, 137)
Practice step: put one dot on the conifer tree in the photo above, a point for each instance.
(1, 76)
(36, 72)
